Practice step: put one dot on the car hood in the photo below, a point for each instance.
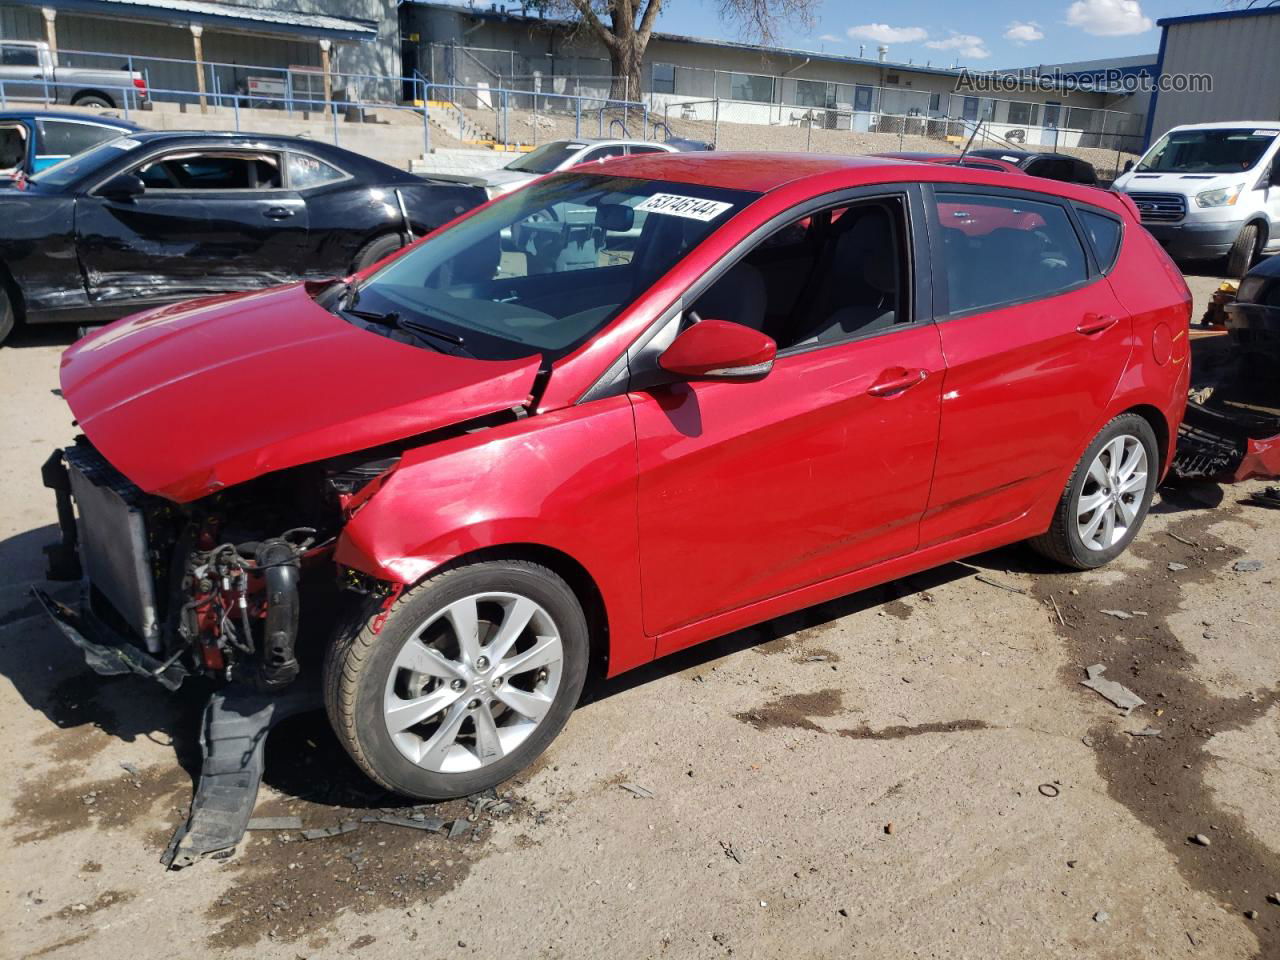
(1187, 184)
(502, 177)
(187, 399)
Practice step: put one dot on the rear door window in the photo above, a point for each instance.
(65, 138)
(306, 172)
(1003, 250)
(13, 146)
(1104, 236)
(603, 153)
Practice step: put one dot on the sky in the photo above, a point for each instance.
(990, 35)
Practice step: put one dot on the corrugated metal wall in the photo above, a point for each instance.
(1243, 56)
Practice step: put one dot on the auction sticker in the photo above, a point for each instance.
(693, 208)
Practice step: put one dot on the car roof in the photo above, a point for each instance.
(608, 141)
(1228, 125)
(763, 172)
(996, 153)
(67, 115)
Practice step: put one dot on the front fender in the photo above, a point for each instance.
(564, 480)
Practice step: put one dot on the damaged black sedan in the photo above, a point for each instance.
(157, 217)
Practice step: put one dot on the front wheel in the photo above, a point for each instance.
(1107, 497)
(1243, 252)
(469, 679)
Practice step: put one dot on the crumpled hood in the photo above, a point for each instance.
(188, 399)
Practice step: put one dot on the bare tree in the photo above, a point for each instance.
(625, 26)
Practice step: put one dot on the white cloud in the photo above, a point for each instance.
(831, 38)
(883, 33)
(1108, 18)
(1024, 33)
(965, 44)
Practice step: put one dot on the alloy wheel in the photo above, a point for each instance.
(473, 682)
(1112, 494)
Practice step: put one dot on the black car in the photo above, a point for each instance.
(155, 217)
(1051, 166)
(1253, 320)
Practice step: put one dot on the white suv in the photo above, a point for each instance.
(1210, 190)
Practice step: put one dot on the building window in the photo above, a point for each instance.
(750, 86)
(664, 78)
(1020, 113)
(811, 93)
(935, 102)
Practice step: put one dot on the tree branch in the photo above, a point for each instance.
(647, 20)
(589, 17)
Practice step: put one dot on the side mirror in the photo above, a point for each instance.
(719, 350)
(124, 186)
(1128, 165)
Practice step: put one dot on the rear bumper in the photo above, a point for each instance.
(1195, 241)
(105, 651)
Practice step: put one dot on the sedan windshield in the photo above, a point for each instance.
(1207, 151)
(82, 164)
(548, 157)
(543, 269)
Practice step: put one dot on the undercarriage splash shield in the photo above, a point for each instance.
(233, 735)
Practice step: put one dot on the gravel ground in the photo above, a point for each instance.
(913, 771)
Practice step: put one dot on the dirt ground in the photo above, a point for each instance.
(913, 771)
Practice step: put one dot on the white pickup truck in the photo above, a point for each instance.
(27, 72)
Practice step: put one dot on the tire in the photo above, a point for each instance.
(375, 250)
(1065, 541)
(1243, 251)
(377, 681)
(93, 100)
(7, 318)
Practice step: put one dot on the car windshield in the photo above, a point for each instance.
(548, 157)
(1208, 151)
(82, 164)
(541, 270)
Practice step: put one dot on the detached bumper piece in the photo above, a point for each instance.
(1227, 448)
(233, 734)
(105, 651)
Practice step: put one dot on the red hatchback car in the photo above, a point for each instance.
(603, 418)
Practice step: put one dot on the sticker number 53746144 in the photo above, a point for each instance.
(693, 208)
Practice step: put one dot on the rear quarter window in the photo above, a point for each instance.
(1104, 236)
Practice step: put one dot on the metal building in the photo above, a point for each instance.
(1238, 49)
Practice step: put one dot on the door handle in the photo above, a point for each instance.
(1096, 323)
(897, 383)
(277, 213)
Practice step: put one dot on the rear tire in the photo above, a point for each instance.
(1106, 498)
(7, 318)
(375, 250)
(1243, 252)
(93, 100)
(426, 714)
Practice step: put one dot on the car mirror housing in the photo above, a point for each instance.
(719, 350)
(1128, 165)
(124, 186)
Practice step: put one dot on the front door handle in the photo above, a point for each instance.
(1096, 323)
(277, 213)
(893, 382)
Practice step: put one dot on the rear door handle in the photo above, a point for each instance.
(1095, 323)
(277, 213)
(893, 382)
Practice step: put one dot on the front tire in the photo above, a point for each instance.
(470, 678)
(1106, 498)
(1243, 252)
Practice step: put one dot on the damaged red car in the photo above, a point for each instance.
(613, 414)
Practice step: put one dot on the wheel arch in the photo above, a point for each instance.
(569, 569)
(1159, 426)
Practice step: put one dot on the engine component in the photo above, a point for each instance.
(278, 560)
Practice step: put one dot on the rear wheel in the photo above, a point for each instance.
(7, 318)
(1106, 498)
(96, 100)
(1243, 251)
(469, 679)
(375, 250)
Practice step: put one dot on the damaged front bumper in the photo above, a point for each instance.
(105, 651)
